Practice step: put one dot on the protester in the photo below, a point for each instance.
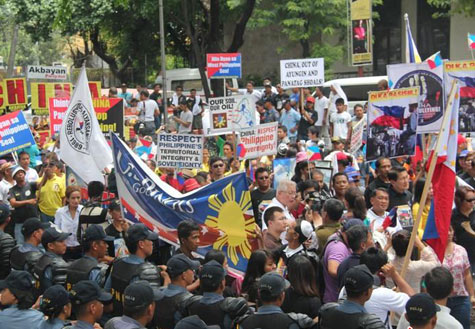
(52, 191)
(117, 230)
(217, 168)
(383, 167)
(31, 175)
(290, 119)
(260, 262)
(276, 224)
(284, 199)
(340, 122)
(6, 242)
(463, 220)
(399, 193)
(148, 111)
(7, 182)
(331, 214)
(340, 185)
(263, 194)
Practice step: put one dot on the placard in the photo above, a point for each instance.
(41, 92)
(300, 73)
(13, 94)
(14, 132)
(47, 72)
(110, 114)
(57, 110)
(258, 141)
(357, 136)
(227, 114)
(223, 65)
(180, 151)
(361, 32)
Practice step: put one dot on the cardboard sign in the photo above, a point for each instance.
(14, 132)
(300, 73)
(258, 141)
(47, 72)
(57, 110)
(41, 92)
(13, 94)
(227, 114)
(224, 65)
(180, 151)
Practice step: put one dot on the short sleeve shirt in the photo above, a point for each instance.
(150, 107)
(336, 251)
(457, 263)
(340, 121)
(186, 116)
(22, 193)
(51, 195)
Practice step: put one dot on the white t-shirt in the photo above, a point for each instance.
(320, 105)
(186, 116)
(255, 95)
(31, 175)
(150, 107)
(340, 121)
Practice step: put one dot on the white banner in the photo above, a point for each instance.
(180, 151)
(47, 72)
(227, 114)
(258, 141)
(299, 73)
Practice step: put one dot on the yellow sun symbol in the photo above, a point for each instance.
(231, 222)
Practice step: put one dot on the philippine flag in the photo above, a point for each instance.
(385, 116)
(471, 40)
(434, 60)
(412, 55)
(468, 89)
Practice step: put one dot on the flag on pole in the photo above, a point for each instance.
(83, 146)
(443, 184)
(471, 40)
(412, 55)
(434, 60)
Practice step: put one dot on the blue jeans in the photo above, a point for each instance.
(18, 235)
(460, 308)
(45, 218)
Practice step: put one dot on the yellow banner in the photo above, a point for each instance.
(41, 92)
(393, 94)
(13, 94)
(360, 9)
(453, 66)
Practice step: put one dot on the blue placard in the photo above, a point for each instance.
(225, 65)
(14, 133)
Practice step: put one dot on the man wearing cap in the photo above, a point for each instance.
(272, 289)
(181, 270)
(22, 198)
(271, 114)
(16, 292)
(52, 192)
(25, 256)
(290, 119)
(87, 299)
(212, 307)
(139, 241)
(352, 314)
(7, 182)
(51, 267)
(88, 267)
(421, 312)
(139, 307)
(6, 241)
(308, 118)
(193, 322)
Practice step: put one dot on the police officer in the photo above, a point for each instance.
(87, 299)
(51, 267)
(181, 270)
(139, 306)
(16, 292)
(128, 269)
(351, 314)
(6, 241)
(56, 305)
(212, 307)
(25, 256)
(193, 321)
(88, 267)
(272, 288)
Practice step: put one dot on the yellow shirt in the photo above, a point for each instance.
(51, 195)
(425, 214)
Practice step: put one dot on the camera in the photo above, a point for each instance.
(316, 200)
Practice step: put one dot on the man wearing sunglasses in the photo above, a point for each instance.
(216, 168)
(263, 194)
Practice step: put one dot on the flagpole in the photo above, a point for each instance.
(433, 161)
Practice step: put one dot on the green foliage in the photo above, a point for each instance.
(465, 7)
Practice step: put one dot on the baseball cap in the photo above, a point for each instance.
(32, 224)
(123, 85)
(139, 232)
(310, 99)
(352, 173)
(114, 205)
(54, 297)
(272, 284)
(193, 322)
(17, 169)
(18, 282)
(336, 139)
(346, 224)
(463, 154)
(212, 272)
(358, 278)
(52, 235)
(86, 291)
(341, 156)
(461, 139)
(421, 307)
(95, 232)
(190, 185)
(4, 212)
(181, 263)
(139, 294)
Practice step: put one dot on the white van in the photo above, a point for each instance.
(356, 89)
(188, 79)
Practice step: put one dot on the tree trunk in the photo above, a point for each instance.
(11, 56)
(305, 48)
(238, 36)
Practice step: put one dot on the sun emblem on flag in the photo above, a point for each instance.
(231, 222)
(220, 120)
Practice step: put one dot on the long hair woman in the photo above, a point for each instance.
(355, 204)
(260, 262)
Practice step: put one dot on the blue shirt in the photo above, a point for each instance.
(290, 120)
(27, 247)
(210, 298)
(295, 97)
(173, 290)
(55, 324)
(271, 115)
(94, 275)
(273, 309)
(82, 325)
(122, 322)
(131, 259)
(13, 318)
(125, 96)
(48, 275)
(351, 307)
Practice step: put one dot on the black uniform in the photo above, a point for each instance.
(332, 318)
(82, 269)
(272, 317)
(24, 261)
(167, 307)
(6, 245)
(49, 270)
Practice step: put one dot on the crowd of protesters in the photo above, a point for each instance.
(329, 256)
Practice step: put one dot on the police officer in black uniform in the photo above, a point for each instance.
(6, 242)
(51, 267)
(272, 288)
(181, 270)
(351, 314)
(139, 241)
(24, 257)
(212, 307)
(88, 267)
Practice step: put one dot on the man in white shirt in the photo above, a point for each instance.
(340, 122)
(185, 120)
(254, 95)
(321, 107)
(197, 109)
(31, 175)
(148, 110)
(7, 182)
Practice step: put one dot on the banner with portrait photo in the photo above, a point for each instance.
(392, 123)
(430, 81)
(361, 32)
(464, 72)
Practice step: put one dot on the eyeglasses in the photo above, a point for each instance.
(218, 165)
(51, 165)
(263, 177)
(470, 200)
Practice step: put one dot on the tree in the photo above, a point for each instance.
(465, 7)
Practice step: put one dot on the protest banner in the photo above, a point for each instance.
(227, 114)
(41, 92)
(392, 123)
(14, 132)
(110, 114)
(222, 209)
(464, 72)
(180, 151)
(357, 136)
(13, 94)
(224, 65)
(258, 141)
(57, 110)
(361, 33)
(47, 72)
(300, 73)
(95, 89)
(431, 102)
